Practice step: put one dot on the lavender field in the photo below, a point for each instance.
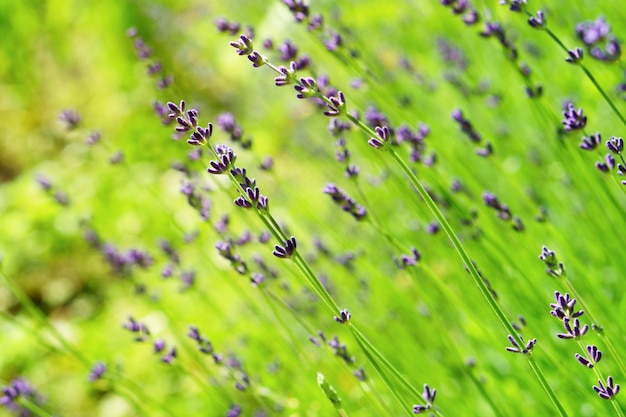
(312, 208)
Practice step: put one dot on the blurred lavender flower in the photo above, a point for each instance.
(97, 371)
(502, 209)
(466, 126)
(591, 142)
(11, 396)
(140, 329)
(600, 43)
(70, 118)
(223, 25)
(298, 8)
(347, 203)
(234, 411)
(93, 138)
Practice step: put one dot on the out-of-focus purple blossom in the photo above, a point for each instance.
(70, 118)
(97, 371)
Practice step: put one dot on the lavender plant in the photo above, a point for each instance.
(309, 208)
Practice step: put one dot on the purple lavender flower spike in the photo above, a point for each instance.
(97, 372)
(594, 356)
(429, 396)
(288, 75)
(607, 392)
(591, 142)
(573, 330)
(344, 317)
(243, 46)
(70, 118)
(307, 88)
(515, 348)
(575, 56)
(287, 250)
(615, 145)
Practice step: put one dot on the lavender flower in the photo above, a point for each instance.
(344, 317)
(516, 347)
(306, 88)
(594, 356)
(287, 250)
(288, 75)
(591, 142)
(298, 8)
(336, 106)
(138, 328)
(384, 136)
(615, 145)
(573, 119)
(573, 330)
(347, 203)
(243, 46)
(607, 392)
(70, 118)
(553, 266)
(537, 22)
(428, 396)
(575, 56)
(564, 307)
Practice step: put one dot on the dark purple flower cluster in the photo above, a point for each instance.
(503, 211)
(339, 349)
(344, 317)
(516, 348)
(429, 396)
(204, 345)
(553, 266)
(287, 250)
(252, 196)
(462, 7)
(226, 251)
(564, 309)
(607, 392)
(225, 26)
(226, 121)
(416, 140)
(471, 133)
(600, 43)
(142, 333)
(347, 203)
(301, 13)
(154, 68)
(382, 139)
(408, 260)
(122, 263)
(573, 119)
(494, 29)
